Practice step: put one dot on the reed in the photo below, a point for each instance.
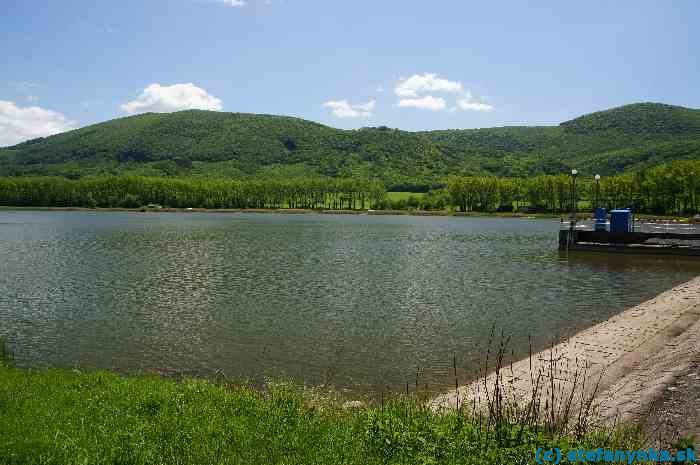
(553, 406)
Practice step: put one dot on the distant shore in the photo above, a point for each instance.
(292, 211)
(300, 211)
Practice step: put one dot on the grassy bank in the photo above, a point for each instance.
(70, 417)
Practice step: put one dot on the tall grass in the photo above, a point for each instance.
(66, 417)
(558, 408)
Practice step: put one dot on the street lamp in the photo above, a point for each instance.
(574, 173)
(597, 190)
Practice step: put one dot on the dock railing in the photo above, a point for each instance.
(648, 236)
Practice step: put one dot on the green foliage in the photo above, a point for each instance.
(641, 119)
(672, 188)
(224, 145)
(68, 417)
(132, 192)
(220, 145)
(630, 137)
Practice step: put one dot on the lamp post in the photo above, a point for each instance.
(597, 190)
(574, 173)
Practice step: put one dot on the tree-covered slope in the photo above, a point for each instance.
(642, 119)
(611, 141)
(235, 145)
(225, 144)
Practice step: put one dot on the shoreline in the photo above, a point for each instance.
(629, 360)
(288, 211)
(303, 211)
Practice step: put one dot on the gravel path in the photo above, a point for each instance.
(676, 413)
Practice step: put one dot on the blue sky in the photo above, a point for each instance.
(407, 64)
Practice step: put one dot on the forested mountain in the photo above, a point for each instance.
(235, 145)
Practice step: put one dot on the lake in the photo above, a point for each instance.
(354, 301)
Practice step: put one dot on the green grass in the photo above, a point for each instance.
(396, 196)
(70, 417)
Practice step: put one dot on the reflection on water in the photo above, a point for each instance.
(600, 261)
(360, 301)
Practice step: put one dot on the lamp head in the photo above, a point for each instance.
(574, 172)
(597, 177)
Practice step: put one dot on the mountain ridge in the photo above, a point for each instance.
(243, 145)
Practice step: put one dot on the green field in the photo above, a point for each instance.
(68, 417)
(395, 196)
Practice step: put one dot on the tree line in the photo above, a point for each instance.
(672, 188)
(134, 192)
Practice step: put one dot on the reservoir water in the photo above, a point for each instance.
(354, 301)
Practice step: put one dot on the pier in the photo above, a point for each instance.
(669, 239)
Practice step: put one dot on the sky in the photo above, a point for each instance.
(413, 65)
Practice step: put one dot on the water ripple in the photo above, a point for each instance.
(360, 301)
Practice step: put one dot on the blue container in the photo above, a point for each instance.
(621, 221)
(601, 219)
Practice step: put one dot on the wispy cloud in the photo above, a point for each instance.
(18, 124)
(166, 99)
(469, 103)
(344, 109)
(236, 3)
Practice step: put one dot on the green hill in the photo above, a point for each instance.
(641, 119)
(607, 142)
(236, 145)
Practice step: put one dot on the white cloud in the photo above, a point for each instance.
(345, 109)
(166, 99)
(18, 124)
(418, 84)
(414, 92)
(471, 104)
(237, 3)
(424, 103)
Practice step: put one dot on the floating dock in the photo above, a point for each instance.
(653, 243)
